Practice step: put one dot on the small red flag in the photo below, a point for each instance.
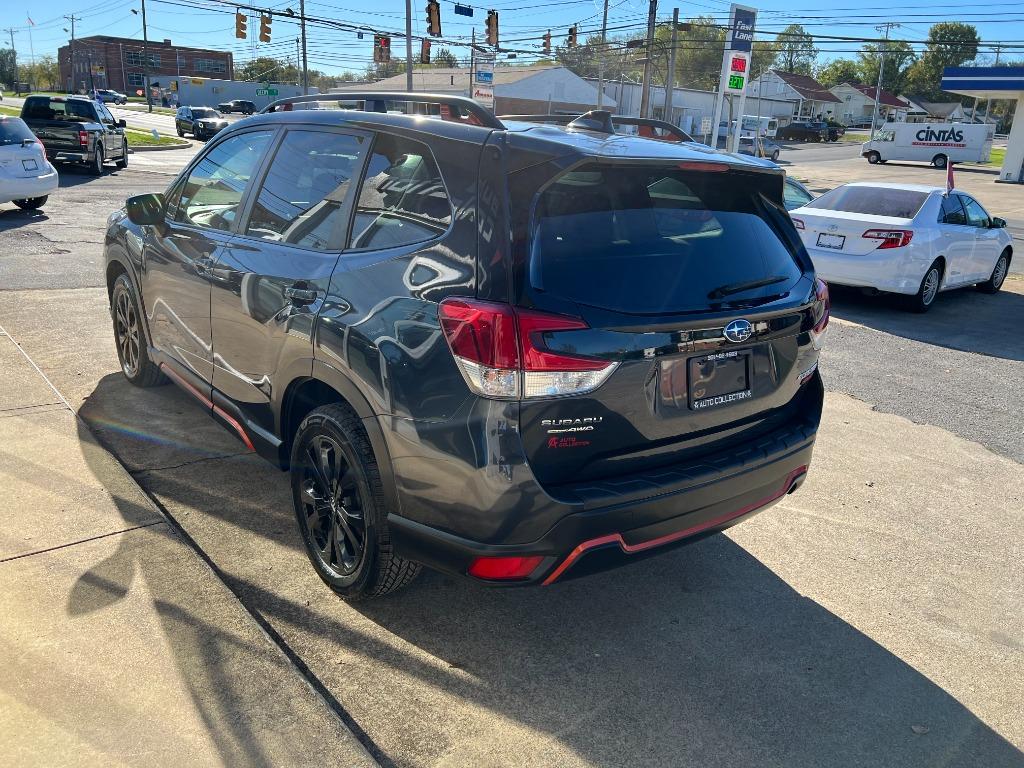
(949, 177)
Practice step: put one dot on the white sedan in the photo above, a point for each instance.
(26, 177)
(904, 238)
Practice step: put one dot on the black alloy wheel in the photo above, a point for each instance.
(128, 335)
(96, 169)
(341, 508)
(333, 506)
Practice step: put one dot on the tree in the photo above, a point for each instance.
(838, 71)
(698, 52)
(950, 44)
(445, 58)
(899, 58)
(7, 62)
(796, 50)
(268, 68)
(384, 69)
(585, 60)
(762, 57)
(42, 75)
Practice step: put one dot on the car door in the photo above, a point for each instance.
(178, 257)
(987, 244)
(180, 120)
(113, 133)
(272, 279)
(956, 244)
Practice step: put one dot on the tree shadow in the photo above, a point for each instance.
(702, 656)
(964, 319)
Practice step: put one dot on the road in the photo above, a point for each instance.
(873, 618)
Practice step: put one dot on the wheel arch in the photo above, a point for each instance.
(327, 385)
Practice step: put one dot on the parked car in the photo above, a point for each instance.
(76, 129)
(836, 131)
(237, 105)
(803, 130)
(201, 122)
(27, 178)
(795, 194)
(762, 148)
(512, 396)
(909, 239)
(110, 97)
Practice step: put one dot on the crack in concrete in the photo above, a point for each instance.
(145, 470)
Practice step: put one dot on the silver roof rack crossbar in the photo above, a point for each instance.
(647, 122)
(377, 101)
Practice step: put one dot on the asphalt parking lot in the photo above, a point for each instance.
(873, 618)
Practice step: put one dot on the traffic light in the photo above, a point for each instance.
(571, 40)
(492, 28)
(434, 18)
(425, 51)
(240, 25)
(265, 28)
(547, 42)
(381, 49)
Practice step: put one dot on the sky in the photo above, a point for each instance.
(210, 24)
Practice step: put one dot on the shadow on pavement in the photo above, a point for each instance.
(701, 656)
(963, 319)
(11, 218)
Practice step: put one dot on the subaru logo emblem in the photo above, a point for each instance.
(833, 228)
(738, 330)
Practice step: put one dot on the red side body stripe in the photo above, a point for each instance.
(209, 404)
(616, 538)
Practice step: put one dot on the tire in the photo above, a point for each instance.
(775, 156)
(31, 203)
(939, 161)
(123, 162)
(129, 337)
(931, 282)
(995, 281)
(96, 167)
(181, 133)
(873, 157)
(331, 445)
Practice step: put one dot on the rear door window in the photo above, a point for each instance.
(402, 200)
(651, 239)
(302, 198)
(873, 201)
(952, 211)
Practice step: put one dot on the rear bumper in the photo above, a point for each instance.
(63, 156)
(618, 527)
(881, 270)
(34, 186)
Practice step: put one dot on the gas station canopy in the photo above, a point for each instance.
(995, 83)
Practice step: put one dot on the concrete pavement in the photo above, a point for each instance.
(120, 645)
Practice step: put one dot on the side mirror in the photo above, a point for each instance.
(122, 124)
(146, 209)
(998, 223)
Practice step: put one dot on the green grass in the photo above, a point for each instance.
(860, 138)
(12, 111)
(141, 107)
(997, 156)
(145, 139)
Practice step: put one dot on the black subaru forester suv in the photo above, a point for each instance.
(515, 352)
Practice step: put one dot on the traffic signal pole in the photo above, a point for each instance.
(145, 58)
(408, 45)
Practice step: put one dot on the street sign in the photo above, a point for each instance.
(484, 95)
(742, 28)
(463, 10)
(739, 43)
(705, 126)
(266, 91)
(484, 69)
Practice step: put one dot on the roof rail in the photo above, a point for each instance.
(676, 133)
(376, 101)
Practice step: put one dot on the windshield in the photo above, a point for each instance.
(654, 239)
(204, 112)
(14, 131)
(874, 201)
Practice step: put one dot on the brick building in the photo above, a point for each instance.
(117, 63)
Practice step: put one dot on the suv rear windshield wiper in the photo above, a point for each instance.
(727, 290)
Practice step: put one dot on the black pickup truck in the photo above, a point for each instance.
(76, 129)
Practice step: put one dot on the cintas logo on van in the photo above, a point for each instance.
(944, 137)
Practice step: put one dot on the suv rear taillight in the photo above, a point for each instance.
(500, 351)
(891, 238)
(822, 299)
(83, 138)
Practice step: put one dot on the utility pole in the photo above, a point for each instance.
(472, 61)
(305, 61)
(670, 79)
(600, 59)
(408, 45)
(988, 102)
(145, 59)
(17, 80)
(881, 68)
(72, 18)
(645, 89)
(298, 60)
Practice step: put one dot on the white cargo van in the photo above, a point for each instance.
(935, 143)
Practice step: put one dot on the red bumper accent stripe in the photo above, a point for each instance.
(616, 538)
(206, 401)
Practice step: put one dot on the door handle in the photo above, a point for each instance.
(300, 296)
(203, 265)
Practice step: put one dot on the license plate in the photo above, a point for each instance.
(30, 165)
(719, 379)
(831, 241)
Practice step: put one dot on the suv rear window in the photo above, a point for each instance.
(654, 239)
(14, 131)
(874, 201)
